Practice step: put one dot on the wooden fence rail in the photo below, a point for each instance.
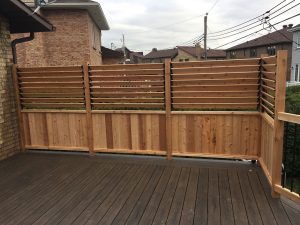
(223, 109)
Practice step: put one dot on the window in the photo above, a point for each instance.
(271, 50)
(187, 60)
(180, 60)
(297, 73)
(253, 52)
(298, 39)
(233, 54)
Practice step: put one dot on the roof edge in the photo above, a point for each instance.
(35, 16)
(96, 14)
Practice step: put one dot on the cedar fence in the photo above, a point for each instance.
(221, 109)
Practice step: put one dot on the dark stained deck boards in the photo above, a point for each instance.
(115, 190)
(225, 199)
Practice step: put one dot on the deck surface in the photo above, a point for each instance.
(78, 189)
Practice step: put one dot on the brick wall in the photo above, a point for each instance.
(9, 136)
(95, 43)
(70, 44)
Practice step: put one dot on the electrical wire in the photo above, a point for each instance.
(282, 34)
(245, 30)
(250, 19)
(256, 31)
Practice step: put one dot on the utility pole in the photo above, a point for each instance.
(205, 36)
(124, 48)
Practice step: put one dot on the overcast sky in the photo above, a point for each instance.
(169, 23)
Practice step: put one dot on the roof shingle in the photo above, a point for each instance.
(166, 53)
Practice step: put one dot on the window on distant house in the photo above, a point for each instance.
(298, 39)
(297, 73)
(187, 60)
(233, 54)
(253, 52)
(271, 50)
(180, 60)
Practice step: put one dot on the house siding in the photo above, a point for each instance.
(9, 133)
(184, 55)
(70, 44)
(295, 54)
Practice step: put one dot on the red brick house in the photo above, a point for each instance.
(76, 39)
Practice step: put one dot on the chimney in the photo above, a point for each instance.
(198, 51)
(290, 25)
(154, 49)
(284, 26)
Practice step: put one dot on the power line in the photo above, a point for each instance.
(249, 19)
(245, 30)
(256, 21)
(250, 28)
(213, 6)
(282, 34)
(257, 31)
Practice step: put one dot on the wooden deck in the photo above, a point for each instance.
(78, 189)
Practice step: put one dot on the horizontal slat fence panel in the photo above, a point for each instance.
(268, 85)
(138, 86)
(51, 87)
(209, 63)
(216, 85)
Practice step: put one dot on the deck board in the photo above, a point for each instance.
(115, 190)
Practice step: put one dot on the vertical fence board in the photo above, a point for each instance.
(281, 71)
(88, 107)
(168, 105)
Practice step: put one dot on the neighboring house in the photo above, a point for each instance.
(77, 38)
(131, 56)
(295, 69)
(136, 57)
(15, 17)
(110, 56)
(195, 53)
(159, 56)
(266, 44)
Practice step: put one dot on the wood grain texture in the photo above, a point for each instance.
(216, 134)
(129, 131)
(50, 130)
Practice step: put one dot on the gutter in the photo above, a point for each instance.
(18, 41)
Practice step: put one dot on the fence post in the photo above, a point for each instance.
(18, 107)
(281, 70)
(89, 119)
(168, 107)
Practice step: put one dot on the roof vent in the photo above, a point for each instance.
(154, 49)
(284, 26)
(290, 25)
